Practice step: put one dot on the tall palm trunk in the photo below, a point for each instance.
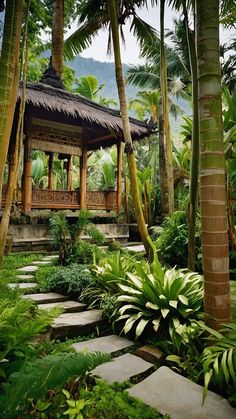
(57, 36)
(17, 153)
(162, 169)
(215, 251)
(165, 112)
(9, 69)
(129, 148)
(194, 172)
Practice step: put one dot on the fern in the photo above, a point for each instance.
(36, 378)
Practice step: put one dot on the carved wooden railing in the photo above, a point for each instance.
(102, 200)
(52, 199)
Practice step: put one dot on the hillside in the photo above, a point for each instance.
(105, 73)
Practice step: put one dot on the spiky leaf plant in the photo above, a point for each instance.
(160, 299)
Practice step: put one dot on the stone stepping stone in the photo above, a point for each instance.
(42, 262)
(76, 324)
(136, 249)
(29, 268)
(67, 306)
(108, 344)
(23, 285)
(174, 395)
(50, 257)
(25, 277)
(123, 368)
(46, 297)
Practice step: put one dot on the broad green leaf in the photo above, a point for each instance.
(141, 326)
(183, 299)
(165, 312)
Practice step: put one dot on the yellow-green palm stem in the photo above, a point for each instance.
(129, 149)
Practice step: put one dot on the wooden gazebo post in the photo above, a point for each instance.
(83, 177)
(69, 173)
(119, 177)
(27, 179)
(50, 171)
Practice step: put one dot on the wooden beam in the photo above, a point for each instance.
(83, 177)
(69, 173)
(48, 146)
(103, 137)
(27, 179)
(50, 171)
(119, 176)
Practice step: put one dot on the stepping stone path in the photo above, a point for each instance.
(123, 368)
(25, 277)
(28, 269)
(77, 324)
(46, 297)
(172, 394)
(108, 344)
(168, 392)
(23, 285)
(67, 306)
(42, 262)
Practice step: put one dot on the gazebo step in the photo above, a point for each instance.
(76, 324)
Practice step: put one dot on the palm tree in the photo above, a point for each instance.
(58, 36)
(9, 70)
(146, 105)
(89, 87)
(129, 149)
(215, 250)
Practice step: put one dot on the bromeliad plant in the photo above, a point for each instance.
(162, 300)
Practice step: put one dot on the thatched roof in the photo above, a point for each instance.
(49, 98)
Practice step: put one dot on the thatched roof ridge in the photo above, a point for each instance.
(73, 105)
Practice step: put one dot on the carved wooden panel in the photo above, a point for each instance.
(45, 198)
(102, 200)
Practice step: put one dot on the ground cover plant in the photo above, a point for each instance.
(13, 262)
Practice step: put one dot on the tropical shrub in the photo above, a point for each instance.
(86, 252)
(64, 235)
(20, 322)
(36, 385)
(110, 270)
(70, 280)
(219, 362)
(161, 301)
(172, 243)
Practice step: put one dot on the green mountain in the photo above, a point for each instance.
(105, 73)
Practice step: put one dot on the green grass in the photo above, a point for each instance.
(11, 263)
(42, 276)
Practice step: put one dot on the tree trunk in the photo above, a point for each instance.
(162, 169)
(18, 145)
(215, 250)
(165, 112)
(129, 148)
(194, 172)
(9, 77)
(58, 36)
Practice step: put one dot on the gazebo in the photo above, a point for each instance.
(57, 121)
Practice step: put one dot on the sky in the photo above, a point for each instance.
(130, 52)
